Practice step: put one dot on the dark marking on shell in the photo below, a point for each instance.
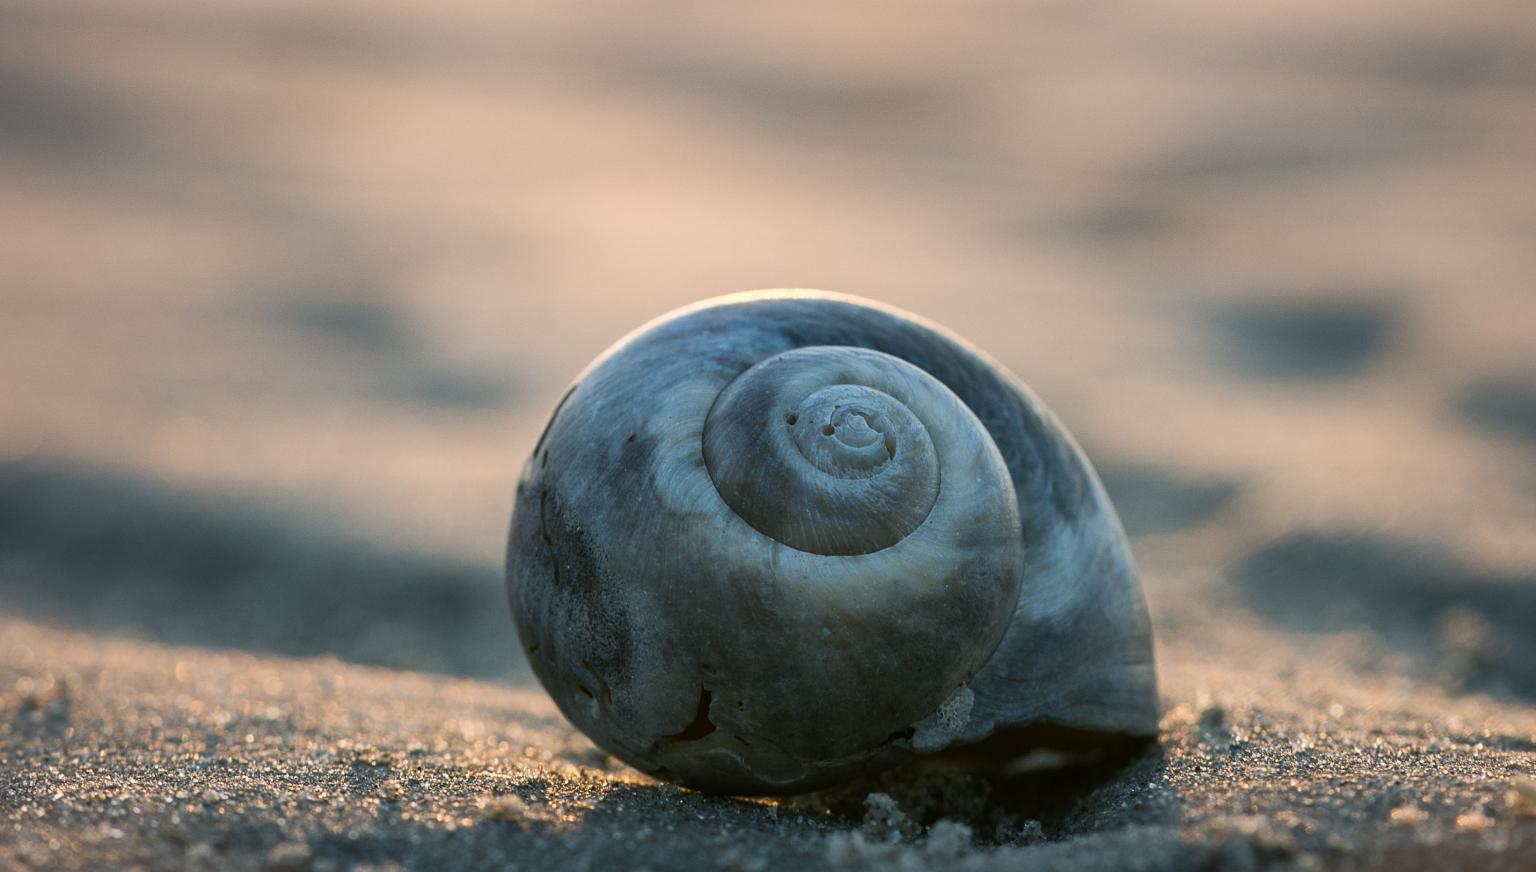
(701, 725)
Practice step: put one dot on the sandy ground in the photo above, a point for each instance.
(287, 291)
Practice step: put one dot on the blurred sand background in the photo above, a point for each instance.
(287, 291)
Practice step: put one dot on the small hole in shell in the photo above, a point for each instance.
(828, 429)
(791, 419)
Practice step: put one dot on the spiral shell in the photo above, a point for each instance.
(779, 539)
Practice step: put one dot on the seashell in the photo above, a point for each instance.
(780, 539)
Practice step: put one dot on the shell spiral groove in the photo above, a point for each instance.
(773, 541)
(812, 449)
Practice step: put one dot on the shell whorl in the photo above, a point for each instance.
(826, 449)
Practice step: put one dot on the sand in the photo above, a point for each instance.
(287, 293)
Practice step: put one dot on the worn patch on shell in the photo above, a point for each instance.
(936, 731)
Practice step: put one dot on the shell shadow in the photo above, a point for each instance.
(98, 550)
(1126, 787)
(1050, 794)
(1469, 629)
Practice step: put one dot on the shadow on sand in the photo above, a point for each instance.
(1151, 499)
(1479, 625)
(1505, 405)
(1325, 338)
(90, 549)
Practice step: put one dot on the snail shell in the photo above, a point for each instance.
(776, 540)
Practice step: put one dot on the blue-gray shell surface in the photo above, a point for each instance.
(732, 623)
